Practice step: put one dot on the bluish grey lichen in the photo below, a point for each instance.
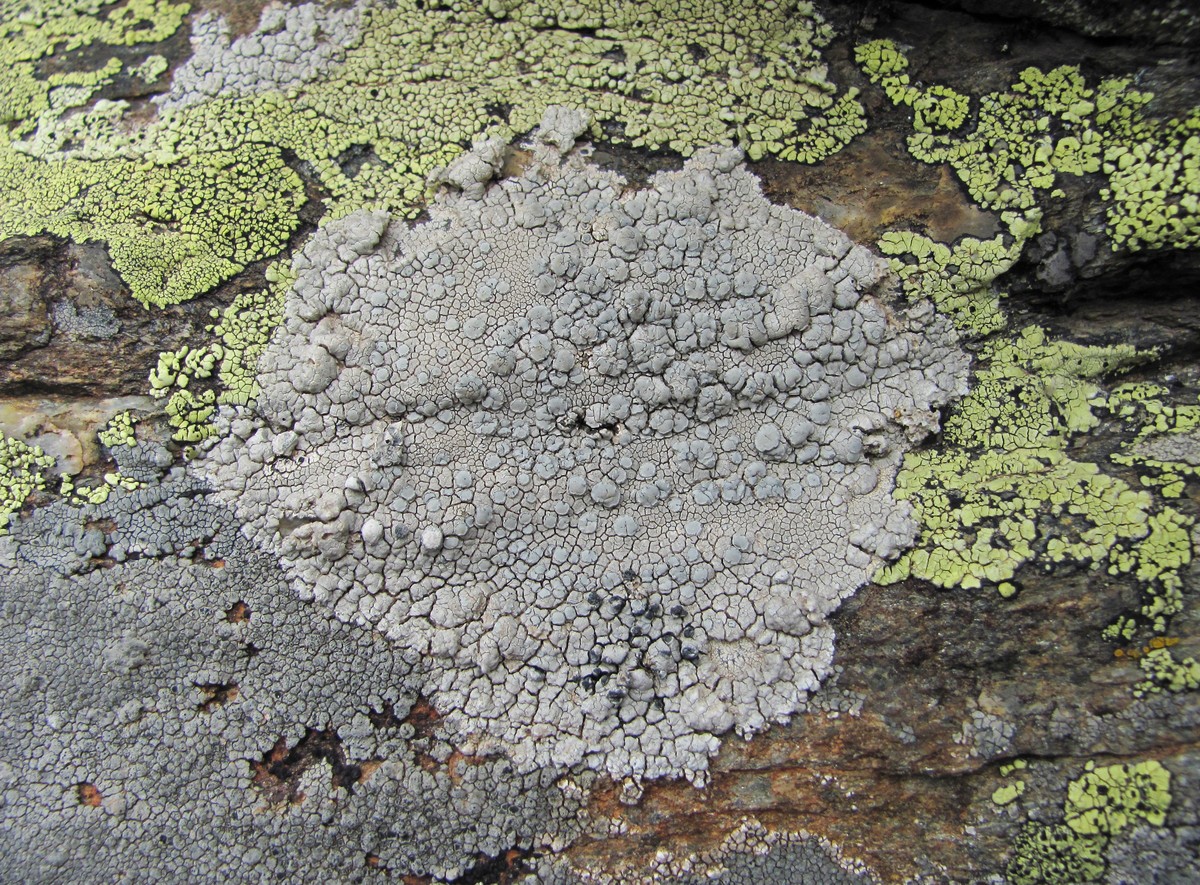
(170, 712)
(605, 461)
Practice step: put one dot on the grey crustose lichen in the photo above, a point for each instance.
(290, 47)
(604, 462)
(159, 686)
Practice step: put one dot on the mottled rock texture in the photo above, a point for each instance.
(389, 495)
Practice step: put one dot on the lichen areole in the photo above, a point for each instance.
(604, 462)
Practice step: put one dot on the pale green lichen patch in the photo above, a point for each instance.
(22, 472)
(119, 431)
(1166, 672)
(177, 368)
(243, 330)
(1165, 447)
(190, 199)
(151, 69)
(1049, 124)
(26, 469)
(936, 108)
(958, 278)
(1008, 793)
(190, 414)
(1003, 489)
(1099, 805)
(178, 215)
(1055, 855)
(98, 493)
(984, 496)
(1106, 800)
(194, 381)
(1162, 447)
(188, 410)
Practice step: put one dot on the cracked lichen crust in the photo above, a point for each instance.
(169, 712)
(1165, 447)
(1100, 804)
(606, 461)
(291, 47)
(372, 99)
(1052, 123)
(1006, 464)
(751, 854)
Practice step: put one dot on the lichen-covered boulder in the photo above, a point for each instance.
(605, 461)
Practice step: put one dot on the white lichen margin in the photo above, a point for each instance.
(291, 46)
(604, 462)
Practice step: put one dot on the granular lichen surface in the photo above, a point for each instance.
(190, 198)
(606, 462)
(459, 547)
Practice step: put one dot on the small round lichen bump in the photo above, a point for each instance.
(606, 460)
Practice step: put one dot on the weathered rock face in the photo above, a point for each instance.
(460, 550)
(1172, 22)
(72, 328)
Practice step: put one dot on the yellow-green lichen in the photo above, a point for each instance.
(1165, 448)
(1106, 800)
(151, 69)
(178, 215)
(988, 497)
(1099, 805)
(187, 200)
(1166, 672)
(1156, 561)
(1008, 793)
(243, 330)
(196, 380)
(958, 278)
(119, 431)
(1052, 123)
(98, 493)
(937, 108)
(1055, 855)
(22, 472)
(188, 411)
(1003, 489)
(177, 368)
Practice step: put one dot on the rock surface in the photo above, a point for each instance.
(217, 668)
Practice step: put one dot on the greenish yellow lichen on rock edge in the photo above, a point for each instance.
(188, 200)
(22, 472)
(1099, 805)
(1049, 124)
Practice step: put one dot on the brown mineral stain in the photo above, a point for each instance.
(216, 694)
(241, 15)
(368, 768)
(88, 795)
(873, 186)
